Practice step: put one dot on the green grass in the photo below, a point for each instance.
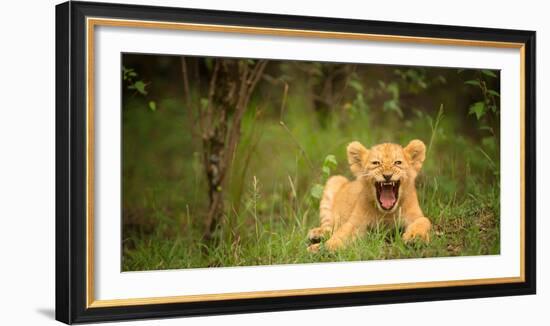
(269, 209)
(283, 241)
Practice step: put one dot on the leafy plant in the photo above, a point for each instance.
(329, 164)
(392, 104)
(359, 104)
(489, 104)
(414, 78)
(130, 76)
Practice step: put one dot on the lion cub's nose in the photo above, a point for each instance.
(387, 176)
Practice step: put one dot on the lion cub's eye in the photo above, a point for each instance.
(375, 162)
(397, 162)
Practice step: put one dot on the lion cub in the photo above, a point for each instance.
(383, 191)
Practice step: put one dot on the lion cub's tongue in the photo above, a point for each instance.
(387, 197)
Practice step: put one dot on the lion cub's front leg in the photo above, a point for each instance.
(418, 228)
(315, 236)
(354, 227)
(335, 242)
(344, 235)
(318, 234)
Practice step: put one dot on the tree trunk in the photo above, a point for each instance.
(231, 85)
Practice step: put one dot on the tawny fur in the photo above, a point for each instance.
(349, 208)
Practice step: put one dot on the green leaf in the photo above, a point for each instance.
(128, 73)
(359, 104)
(487, 128)
(393, 88)
(489, 73)
(400, 73)
(140, 87)
(356, 85)
(326, 171)
(478, 109)
(330, 161)
(317, 191)
(315, 70)
(209, 62)
(204, 102)
(153, 106)
(392, 105)
(413, 74)
(494, 93)
(473, 82)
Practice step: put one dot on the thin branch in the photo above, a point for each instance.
(188, 101)
(346, 83)
(186, 91)
(210, 218)
(244, 97)
(257, 74)
(282, 123)
(283, 102)
(211, 92)
(243, 90)
(302, 150)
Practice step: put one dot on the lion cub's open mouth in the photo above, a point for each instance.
(387, 194)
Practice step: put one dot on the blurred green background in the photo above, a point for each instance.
(298, 121)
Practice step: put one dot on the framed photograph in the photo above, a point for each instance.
(213, 162)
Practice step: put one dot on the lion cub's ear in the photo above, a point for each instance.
(357, 156)
(415, 153)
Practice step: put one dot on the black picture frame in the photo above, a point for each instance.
(71, 157)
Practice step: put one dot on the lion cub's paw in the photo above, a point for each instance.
(419, 229)
(333, 244)
(315, 235)
(314, 248)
